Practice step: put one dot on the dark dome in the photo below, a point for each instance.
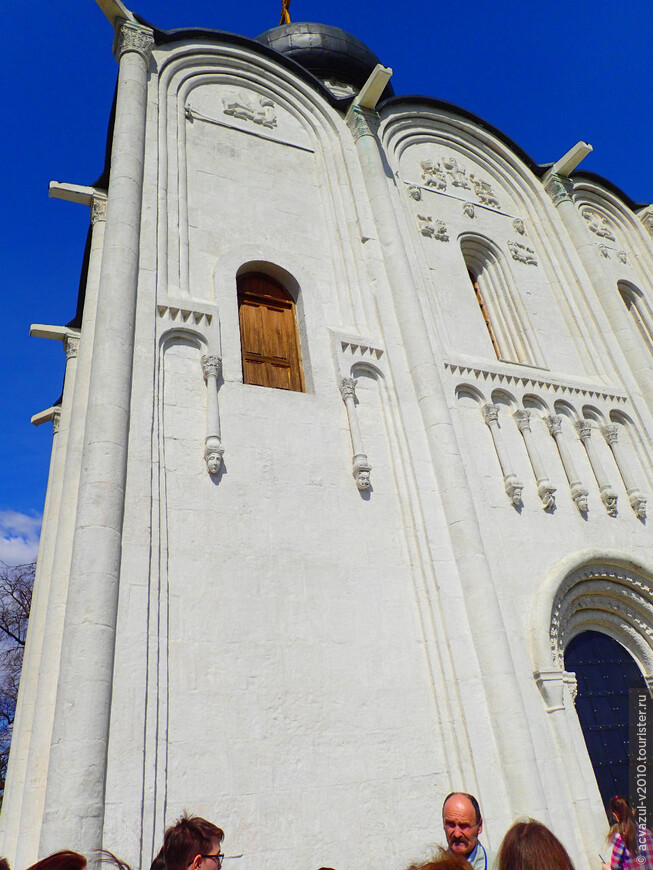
(325, 51)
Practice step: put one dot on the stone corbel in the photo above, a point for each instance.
(360, 463)
(213, 449)
(608, 495)
(544, 488)
(551, 683)
(578, 492)
(512, 485)
(571, 682)
(635, 497)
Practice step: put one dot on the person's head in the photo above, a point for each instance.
(530, 845)
(61, 861)
(462, 822)
(4, 864)
(443, 861)
(624, 822)
(192, 842)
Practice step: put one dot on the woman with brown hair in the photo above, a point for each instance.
(61, 861)
(632, 846)
(530, 845)
(443, 861)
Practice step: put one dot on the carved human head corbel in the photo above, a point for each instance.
(213, 453)
(362, 469)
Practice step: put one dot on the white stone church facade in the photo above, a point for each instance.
(309, 612)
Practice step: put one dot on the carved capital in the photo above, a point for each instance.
(559, 188)
(571, 682)
(551, 685)
(490, 413)
(584, 429)
(348, 388)
(133, 37)
(523, 420)
(554, 424)
(56, 419)
(360, 121)
(211, 366)
(610, 432)
(98, 208)
(71, 346)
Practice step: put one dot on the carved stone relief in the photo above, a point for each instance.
(244, 107)
(415, 192)
(622, 256)
(432, 229)
(577, 491)
(605, 251)
(432, 174)
(545, 490)
(213, 449)
(607, 493)
(512, 485)
(522, 254)
(468, 209)
(598, 224)
(484, 192)
(456, 174)
(518, 226)
(361, 467)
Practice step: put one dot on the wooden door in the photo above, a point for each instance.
(268, 334)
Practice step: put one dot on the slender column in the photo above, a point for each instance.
(522, 787)
(33, 798)
(213, 449)
(74, 804)
(511, 484)
(544, 488)
(620, 337)
(635, 497)
(608, 495)
(360, 463)
(578, 492)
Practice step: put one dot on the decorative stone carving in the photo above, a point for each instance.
(605, 251)
(98, 208)
(243, 107)
(559, 188)
(456, 174)
(184, 315)
(544, 488)
(133, 37)
(468, 209)
(71, 346)
(608, 495)
(213, 449)
(361, 467)
(571, 682)
(551, 686)
(432, 229)
(484, 192)
(622, 256)
(646, 217)
(635, 497)
(56, 419)
(597, 224)
(415, 192)
(578, 492)
(433, 175)
(518, 226)
(360, 121)
(522, 254)
(511, 483)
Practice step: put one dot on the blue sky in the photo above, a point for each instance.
(546, 74)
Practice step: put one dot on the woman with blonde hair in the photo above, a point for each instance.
(530, 845)
(632, 847)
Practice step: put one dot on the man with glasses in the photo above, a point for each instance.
(193, 843)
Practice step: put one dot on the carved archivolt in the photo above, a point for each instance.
(608, 593)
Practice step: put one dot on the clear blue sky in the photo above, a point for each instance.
(546, 74)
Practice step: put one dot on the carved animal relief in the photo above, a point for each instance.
(432, 229)
(432, 175)
(522, 254)
(242, 106)
(439, 174)
(598, 224)
(484, 192)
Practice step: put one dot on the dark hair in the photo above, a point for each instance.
(4, 864)
(61, 861)
(530, 845)
(158, 862)
(444, 861)
(189, 836)
(625, 824)
(470, 798)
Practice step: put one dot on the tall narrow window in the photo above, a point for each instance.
(639, 311)
(499, 301)
(484, 312)
(268, 333)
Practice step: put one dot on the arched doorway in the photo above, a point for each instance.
(605, 674)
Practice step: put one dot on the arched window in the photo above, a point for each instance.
(605, 673)
(500, 306)
(268, 333)
(639, 311)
